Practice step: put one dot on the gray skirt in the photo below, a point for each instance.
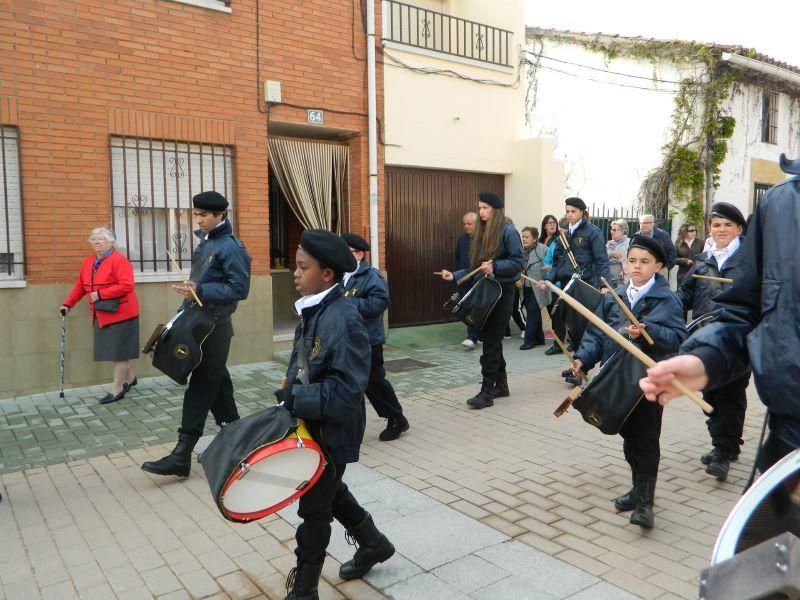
(116, 342)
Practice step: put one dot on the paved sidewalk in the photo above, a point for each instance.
(105, 529)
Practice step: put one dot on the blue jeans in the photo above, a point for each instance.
(533, 315)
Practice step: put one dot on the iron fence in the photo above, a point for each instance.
(431, 30)
(12, 262)
(152, 184)
(602, 218)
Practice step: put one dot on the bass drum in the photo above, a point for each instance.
(261, 463)
(178, 348)
(574, 321)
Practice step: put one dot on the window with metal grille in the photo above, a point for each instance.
(152, 184)
(11, 247)
(769, 118)
(759, 189)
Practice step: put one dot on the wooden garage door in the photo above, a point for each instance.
(424, 210)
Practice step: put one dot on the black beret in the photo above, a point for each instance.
(356, 242)
(491, 199)
(728, 211)
(649, 244)
(576, 202)
(210, 201)
(329, 249)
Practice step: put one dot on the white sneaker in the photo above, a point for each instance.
(469, 344)
(522, 334)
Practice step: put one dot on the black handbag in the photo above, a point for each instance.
(109, 305)
(475, 305)
(178, 349)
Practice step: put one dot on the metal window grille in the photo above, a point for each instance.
(759, 189)
(769, 118)
(431, 30)
(602, 217)
(12, 264)
(152, 184)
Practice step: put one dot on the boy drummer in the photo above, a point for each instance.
(652, 303)
(328, 374)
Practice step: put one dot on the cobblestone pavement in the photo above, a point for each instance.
(84, 521)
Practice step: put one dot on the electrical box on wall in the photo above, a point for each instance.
(272, 91)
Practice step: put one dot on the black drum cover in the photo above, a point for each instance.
(178, 350)
(610, 397)
(477, 303)
(575, 322)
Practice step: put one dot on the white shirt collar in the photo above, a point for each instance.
(215, 227)
(572, 227)
(309, 301)
(725, 253)
(347, 276)
(635, 293)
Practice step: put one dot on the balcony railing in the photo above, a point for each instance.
(431, 30)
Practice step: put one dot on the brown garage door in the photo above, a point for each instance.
(424, 210)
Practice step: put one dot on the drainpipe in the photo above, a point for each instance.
(372, 137)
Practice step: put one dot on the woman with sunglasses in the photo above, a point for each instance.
(688, 246)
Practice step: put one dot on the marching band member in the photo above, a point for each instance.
(652, 303)
(497, 250)
(367, 288)
(726, 423)
(220, 277)
(328, 375)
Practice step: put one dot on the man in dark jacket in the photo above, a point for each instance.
(756, 326)
(647, 227)
(328, 373)
(369, 291)
(220, 277)
(461, 261)
(649, 298)
(726, 423)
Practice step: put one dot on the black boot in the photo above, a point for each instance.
(720, 464)
(178, 462)
(643, 513)
(303, 581)
(484, 398)
(373, 548)
(709, 456)
(573, 380)
(566, 373)
(627, 501)
(394, 428)
(500, 389)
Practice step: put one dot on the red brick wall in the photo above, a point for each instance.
(78, 71)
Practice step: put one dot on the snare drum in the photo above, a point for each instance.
(259, 464)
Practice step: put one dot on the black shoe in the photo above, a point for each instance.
(178, 462)
(394, 429)
(709, 456)
(484, 398)
(109, 398)
(627, 501)
(500, 389)
(527, 346)
(720, 465)
(554, 349)
(566, 373)
(303, 581)
(126, 387)
(373, 548)
(643, 515)
(573, 380)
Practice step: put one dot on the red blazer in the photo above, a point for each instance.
(114, 279)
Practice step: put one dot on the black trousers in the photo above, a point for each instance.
(533, 318)
(329, 499)
(493, 364)
(726, 423)
(516, 310)
(210, 386)
(559, 327)
(641, 433)
(380, 392)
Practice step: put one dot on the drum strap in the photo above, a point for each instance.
(302, 359)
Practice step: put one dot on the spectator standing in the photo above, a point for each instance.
(647, 228)
(516, 312)
(106, 276)
(617, 249)
(688, 248)
(534, 298)
(461, 261)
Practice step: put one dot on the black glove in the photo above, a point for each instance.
(286, 396)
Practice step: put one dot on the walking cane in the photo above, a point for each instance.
(63, 348)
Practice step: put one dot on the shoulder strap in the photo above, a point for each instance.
(302, 359)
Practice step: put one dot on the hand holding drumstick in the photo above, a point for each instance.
(187, 289)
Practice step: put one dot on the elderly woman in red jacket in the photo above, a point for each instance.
(107, 277)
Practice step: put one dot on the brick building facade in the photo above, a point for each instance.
(119, 111)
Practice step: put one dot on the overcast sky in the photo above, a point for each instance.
(772, 27)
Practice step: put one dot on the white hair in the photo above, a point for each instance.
(643, 218)
(106, 233)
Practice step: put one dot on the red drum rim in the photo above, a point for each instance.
(287, 443)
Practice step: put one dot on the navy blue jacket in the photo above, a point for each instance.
(461, 259)
(221, 271)
(698, 295)
(663, 238)
(369, 291)
(338, 353)
(658, 309)
(508, 261)
(589, 248)
(758, 323)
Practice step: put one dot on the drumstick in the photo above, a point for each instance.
(627, 312)
(284, 383)
(178, 268)
(627, 345)
(562, 408)
(565, 243)
(437, 272)
(537, 281)
(568, 354)
(710, 278)
(470, 274)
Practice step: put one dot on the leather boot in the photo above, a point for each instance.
(178, 462)
(394, 428)
(302, 582)
(720, 464)
(484, 398)
(627, 501)
(500, 389)
(643, 513)
(373, 548)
